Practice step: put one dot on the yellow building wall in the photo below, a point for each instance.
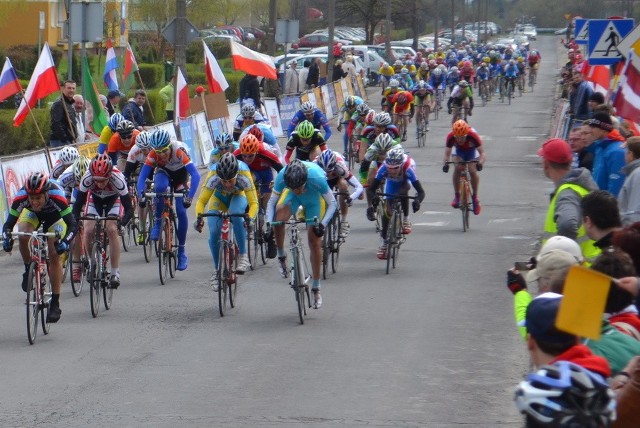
(27, 14)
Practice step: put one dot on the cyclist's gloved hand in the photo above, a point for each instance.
(416, 205)
(61, 246)
(470, 113)
(445, 168)
(479, 167)
(126, 218)
(186, 201)
(349, 201)
(375, 201)
(142, 201)
(318, 230)
(515, 282)
(7, 243)
(198, 224)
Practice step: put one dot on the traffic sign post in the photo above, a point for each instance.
(582, 31)
(604, 37)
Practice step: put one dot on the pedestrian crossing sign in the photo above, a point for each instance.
(604, 37)
(582, 31)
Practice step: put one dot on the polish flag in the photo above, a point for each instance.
(627, 98)
(252, 62)
(600, 77)
(215, 77)
(44, 81)
(182, 98)
(111, 64)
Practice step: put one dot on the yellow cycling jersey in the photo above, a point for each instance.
(412, 69)
(106, 135)
(213, 189)
(423, 74)
(387, 71)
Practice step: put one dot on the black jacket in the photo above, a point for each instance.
(338, 73)
(63, 124)
(250, 88)
(314, 74)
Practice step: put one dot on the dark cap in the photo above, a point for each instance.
(601, 120)
(597, 97)
(114, 93)
(541, 318)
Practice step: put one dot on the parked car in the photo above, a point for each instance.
(506, 43)
(521, 40)
(527, 30)
(317, 39)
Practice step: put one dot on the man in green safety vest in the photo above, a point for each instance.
(564, 215)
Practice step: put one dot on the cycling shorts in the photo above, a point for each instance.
(262, 180)
(314, 205)
(466, 154)
(221, 203)
(396, 188)
(178, 178)
(51, 222)
(103, 207)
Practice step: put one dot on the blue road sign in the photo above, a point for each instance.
(604, 36)
(581, 35)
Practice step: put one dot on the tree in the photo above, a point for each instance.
(156, 14)
(367, 12)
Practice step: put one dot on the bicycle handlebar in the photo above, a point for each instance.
(166, 194)
(294, 221)
(36, 233)
(461, 162)
(222, 215)
(396, 196)
(98, 218)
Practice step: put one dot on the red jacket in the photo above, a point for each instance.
(582, 356)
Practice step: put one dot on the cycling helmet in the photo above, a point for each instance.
(295, 175)
(534, 53)
(350, 102)
(307, 107)
(432, 63)
(460, 128)
(382, 119)
(454, 69)
(227, 167)
(395, 157)
(80, 167)
(424, 65)
(404, 71)
(467, 64)
(248, 110)
(114, 120)
(393, 83)
(327, 160)
(371, 114)
(125, 129)
(68, 154)
(256, 132)
(408, 63)
(511, 62)
(402, 98)
(398, 63)
(463, 84)
(159, 139)
(249, 145)
(520, 59)
(384, 142)
(101, 166)
(143, 140)
(567, 395)
(437, 72)
(223, 141)
(305, 129)
(36, 183)
(362, 109)
(421, 85)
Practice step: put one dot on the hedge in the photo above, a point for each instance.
(25, 137)
(152, 75)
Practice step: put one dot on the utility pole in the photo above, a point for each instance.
(387, 31)
(331, 17)
(271, 33)
(181, 35)
(436, 26)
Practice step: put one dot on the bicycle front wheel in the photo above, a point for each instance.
(335, 242)
(45, 304)
(163, 252)
(32, 303)
(299, 285)
(464, 205)
(148, 243)
(223, 278)
(107, 291)
(95, 279)
(76, 286)
(233, 276)
(326, 252)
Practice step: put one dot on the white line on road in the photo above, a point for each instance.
(434, 224)
(436, 212)
(514, 237)
(504, 220)
(526, 137)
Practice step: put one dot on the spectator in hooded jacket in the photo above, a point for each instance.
(609, 155)
(629, 196)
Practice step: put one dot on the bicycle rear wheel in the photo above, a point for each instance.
(45, 304)
(391, 240)
(335, 242)
(31, 303)
(173, 249)
(223, 278)
(76, 286)
(326, 251)
(95, 279)
(464, 206)
(148, 243)
(233, 275)
(252, 247)
(163, 252)
(66, 266)
(299, 286)
(107, 291)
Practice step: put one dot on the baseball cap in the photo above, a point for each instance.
(562, 243)
(114, 93)
(200, 89)
(541, 318)
(549, 263)
(556, 150)
(601, 120)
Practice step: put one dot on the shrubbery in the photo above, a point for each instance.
(25, 137)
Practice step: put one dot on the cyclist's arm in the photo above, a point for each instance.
(447, 154)
(128, 208)
(129, 169)
(271, 205)
(357, 186)
(292, 125)
(330, 199)
(205, 194)
(145, 172)
(521, 301)
(421, 193)
(195, 178)
(81, 199)
(481, 152)
(252, 196)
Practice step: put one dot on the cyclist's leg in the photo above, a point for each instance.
(111, 208)
(238, 205)
(285, 206)
(27, 223)
(161, 185)
(215, 226)
(313, 209)
(55, 268)
(456, 175)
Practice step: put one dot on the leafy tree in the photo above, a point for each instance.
(367, 12)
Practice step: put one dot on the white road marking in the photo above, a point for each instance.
(514, 237)
(504, 220)
(434, 224)
(527, 137)
(436, 212)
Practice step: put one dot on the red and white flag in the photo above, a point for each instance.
(252, 62)
(44, 81)
(215, 77)
(600, 77)
(182, 98)
(627, 99)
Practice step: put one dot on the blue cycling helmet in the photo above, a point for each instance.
(395, 157)
(327, 160)
(114, 120)
(142, 140)
(159, 139)
(223, 141)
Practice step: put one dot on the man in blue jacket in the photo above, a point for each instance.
(609, 155)
(133, 112)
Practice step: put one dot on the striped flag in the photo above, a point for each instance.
(130, 68)
(9, 83)
(182, 105)
(215, 78)
(252, 62)
(110, 67)
(627, 98)
(92, 98)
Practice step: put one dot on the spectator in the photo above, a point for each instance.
(628, 240)
(323, 72)
(625, 129)
(601, 217)
(200, 90)
(78, 105)
(63, 117)
(133, 111)
(349, 67)
(626, 384)
(629, 196)
(303, 74)
(338, 72)
(291, 81)
(113, 101)
(564, 216)
(579, 99)
(249, 91)
(314, 74)
(583, 158)
(608, 153)
(272, 89)
(595, 100)
(168, 95)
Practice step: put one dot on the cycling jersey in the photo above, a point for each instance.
(386, 71)
(419, 95)
(319, 121)
(437, 82)
(58, 168)
(453, 78)
(369, 133)
(265, 160)
(214, 191)
(117, 185)
(510, 71)
(118, 149)
(472, 141)
(423, 74)
(216, 154)
(303, 150)
(482, 73)
(178, 159)
(459, 93)
(341, 170)
(399, 108)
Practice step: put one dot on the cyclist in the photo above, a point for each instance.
(464, 144)
(534, 59)
(381, 125)
(302, 184)
(248, 116)
(386, 73)
(347, 114)
(510, 74)
(227, 188)
(306, 141)
(41, 201)
(135, 159)
(339, 177)
(423, 98)
(402, 103)
(108, 196)
(308, 111)
(121, 143)
(467, 72)
(264, 134)
(405, 80)
(172, 166)
(482, 79)
(399, 171)
(453, 77)
(222, 143)
(373, 158)
(438, 79)
(522, 72)
(67, 156)
(388, 93)
(108, 131)
(423, 71)
(461, 96)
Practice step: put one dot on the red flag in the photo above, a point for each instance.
(182, 98)
(9, 83)
(627, 99)
(600, 77)
(215, 77)
(252, 62)
(130, 67)
(44, 81)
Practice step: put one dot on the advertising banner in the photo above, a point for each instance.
(204, 136)
(289, 105)
(15, 172)
(326, 101)
(274, 117)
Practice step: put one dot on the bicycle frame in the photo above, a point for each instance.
(465, 191)
(167, 248)
(395, 238)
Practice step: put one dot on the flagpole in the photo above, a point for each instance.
(146, 98)
(46, 149)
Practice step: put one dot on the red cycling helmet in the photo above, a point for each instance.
(101, 166)
(257, 132)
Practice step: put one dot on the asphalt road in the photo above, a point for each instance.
(433, 344)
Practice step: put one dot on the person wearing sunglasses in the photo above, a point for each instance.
(308, 111)
(228, 187)
(104, 190)
(121, 142)
(306, 141)
(248, 116)
(171, 165)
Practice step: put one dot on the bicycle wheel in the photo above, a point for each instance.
(107, 291)
(163, 252)
(379, 214)
(148, 243)
(421, 131)
(391, 239)
(95, 279)
(469, 204)
(31, 303)
(252, 246)
(326, 250)
(336, 240)
(45, 304)
(259, 232)
(233, 276)
(66, 266)
(298, 285)
(76, 286)
(398, 240)
(436, 112)
(464, 205)
(173, 250)
(222, 276)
